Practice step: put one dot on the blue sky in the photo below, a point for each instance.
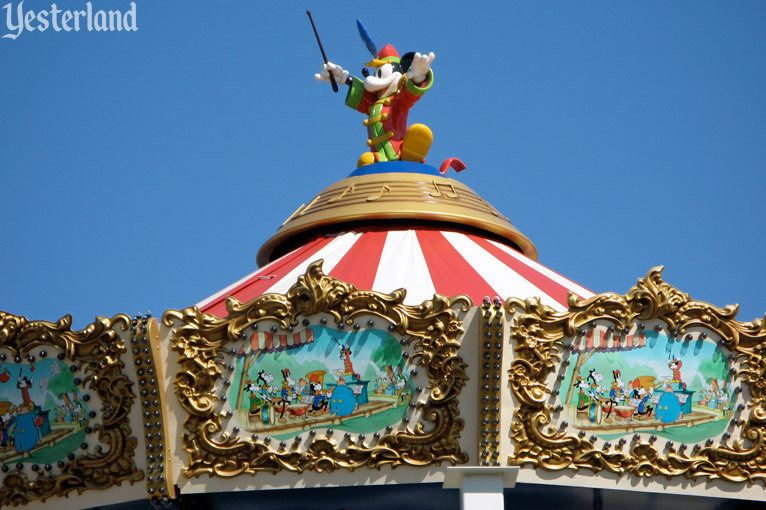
(143, 170)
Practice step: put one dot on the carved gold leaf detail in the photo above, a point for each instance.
(96, 350)
(538, 342)
(430, 329)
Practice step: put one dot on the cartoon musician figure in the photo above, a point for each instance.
(675, 366)
(392, 84)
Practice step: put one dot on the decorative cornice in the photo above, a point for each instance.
(541, 336)
(429, 331)
(94, 351)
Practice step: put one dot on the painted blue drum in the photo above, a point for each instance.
(594, 412)
(267, 414)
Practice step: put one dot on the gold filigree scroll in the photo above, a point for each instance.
(430, 329)
(96, 350)
(538, 342)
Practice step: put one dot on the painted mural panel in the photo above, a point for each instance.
(286, 383)
(43, 416)
(648, 382)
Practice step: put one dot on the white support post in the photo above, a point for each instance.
(481, 488)
(482, 492)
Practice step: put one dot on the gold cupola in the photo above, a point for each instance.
(391, 193)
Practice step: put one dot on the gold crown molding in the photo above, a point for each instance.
(396, 196)
(431, 329)
(96, 350)
(538, 337)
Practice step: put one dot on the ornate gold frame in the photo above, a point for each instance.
(537, 337)
(431, 329)
(97, 351)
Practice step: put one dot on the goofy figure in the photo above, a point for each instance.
(386, 95)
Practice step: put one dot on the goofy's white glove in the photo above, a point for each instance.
(420, 66)
(340, 74)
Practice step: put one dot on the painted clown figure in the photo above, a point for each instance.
(386, 96)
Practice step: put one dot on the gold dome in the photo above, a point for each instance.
(367, 198)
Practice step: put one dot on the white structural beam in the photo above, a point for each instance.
(481, 488)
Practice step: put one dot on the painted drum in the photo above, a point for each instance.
(267, 414)
(624, 411)
(298, 409)
(595, 413)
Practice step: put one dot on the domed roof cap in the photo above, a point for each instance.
(394, 193)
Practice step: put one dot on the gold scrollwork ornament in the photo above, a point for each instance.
(96, 350)
(538, 343)
(430, 329)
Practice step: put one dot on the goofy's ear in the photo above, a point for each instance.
(406, 61)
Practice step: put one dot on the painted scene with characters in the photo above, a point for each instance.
(285, 383)
(43, 416)
(647, 381)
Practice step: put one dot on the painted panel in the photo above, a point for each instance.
(651, 386)
(42, 414)
(324, 357)
(647, 382)
(320, 377)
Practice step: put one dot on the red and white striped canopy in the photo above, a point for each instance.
(422, 260)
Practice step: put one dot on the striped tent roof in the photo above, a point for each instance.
(420, 259)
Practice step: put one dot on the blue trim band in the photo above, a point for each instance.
(397, 167)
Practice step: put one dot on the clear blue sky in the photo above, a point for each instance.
(143, 170)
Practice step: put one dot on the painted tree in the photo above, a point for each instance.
(387, 353)
(62, 382)
(714, 368)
